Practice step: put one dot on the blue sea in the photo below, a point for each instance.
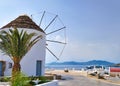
(62, 67)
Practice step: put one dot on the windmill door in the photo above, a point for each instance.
(0, 68)
(38, 68)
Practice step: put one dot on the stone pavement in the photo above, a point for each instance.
(69, 80)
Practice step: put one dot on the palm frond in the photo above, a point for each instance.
(16, 44)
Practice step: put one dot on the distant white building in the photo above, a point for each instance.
(33, 63)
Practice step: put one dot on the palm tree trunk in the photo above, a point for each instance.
(16, 67)
(15, 70)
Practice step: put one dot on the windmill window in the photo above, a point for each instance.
(10, 65)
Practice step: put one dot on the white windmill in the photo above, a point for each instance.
(50, 28)
(55, 32)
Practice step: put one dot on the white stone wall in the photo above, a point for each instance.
(28, 63)
(52, 83)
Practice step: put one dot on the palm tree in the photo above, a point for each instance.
(16, 44)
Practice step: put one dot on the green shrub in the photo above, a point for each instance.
(41, 78)
(19, 79)
(5, 79)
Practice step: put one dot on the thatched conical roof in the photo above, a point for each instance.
(23, 21)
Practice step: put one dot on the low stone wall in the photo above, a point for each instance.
(113, 74)
(114, 71)
(4, 83)
(52, 83)
(53, 76)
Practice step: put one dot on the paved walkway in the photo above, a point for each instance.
(82, 81)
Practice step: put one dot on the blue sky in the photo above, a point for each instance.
(93, 26)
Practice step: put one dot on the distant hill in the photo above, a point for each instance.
(116, 65)
(92, 62)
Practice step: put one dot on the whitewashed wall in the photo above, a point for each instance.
(52, 83)
(28, 63)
